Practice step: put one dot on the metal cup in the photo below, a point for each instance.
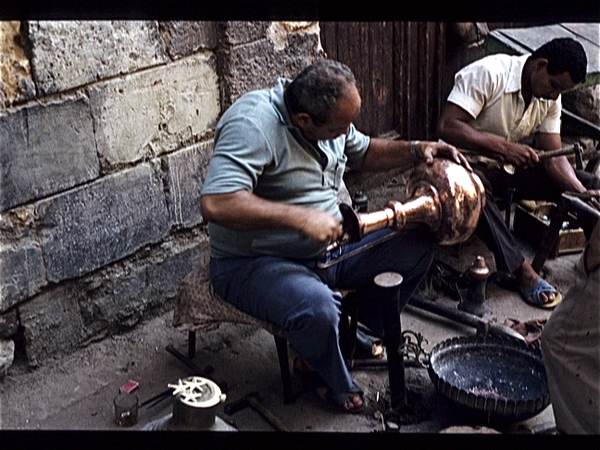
(126, 409)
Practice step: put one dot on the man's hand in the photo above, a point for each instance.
(321, 227)
(592, 196)
(519, 155)
(595, 198)
(428, 150)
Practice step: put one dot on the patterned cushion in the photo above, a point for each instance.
(198, 308)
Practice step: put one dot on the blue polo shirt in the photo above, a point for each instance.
(259, 150)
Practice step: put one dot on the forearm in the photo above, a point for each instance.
(559, 169)
(464, 136)
(243, 210)
(561, 172)
(386, 154)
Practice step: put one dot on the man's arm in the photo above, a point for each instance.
(386, 154)
(559, 169)
(243, 210)
(454, 127)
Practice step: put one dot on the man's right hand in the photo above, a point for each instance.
(321, 227)
(520, 155)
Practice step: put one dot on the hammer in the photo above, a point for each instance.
(253, 400)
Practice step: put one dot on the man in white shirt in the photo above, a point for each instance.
(496, 104)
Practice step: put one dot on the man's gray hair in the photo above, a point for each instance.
(318, 88)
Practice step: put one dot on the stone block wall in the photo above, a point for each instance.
(105, 135)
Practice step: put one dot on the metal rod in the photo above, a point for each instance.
(157, 398)
(324, 264)
(198, 371)
(568, 150)
(206, 372)
(574, 199)
(463, 317)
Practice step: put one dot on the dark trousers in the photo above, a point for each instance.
(528, 184)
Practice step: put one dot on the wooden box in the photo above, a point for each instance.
(533, 225)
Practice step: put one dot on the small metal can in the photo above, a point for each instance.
(126, 409)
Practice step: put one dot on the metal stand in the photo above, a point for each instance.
(388, 284)
(566, 204)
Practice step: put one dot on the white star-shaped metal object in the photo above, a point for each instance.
(196, 391)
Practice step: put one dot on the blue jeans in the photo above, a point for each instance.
(299, 297)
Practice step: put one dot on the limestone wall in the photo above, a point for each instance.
(105, 133)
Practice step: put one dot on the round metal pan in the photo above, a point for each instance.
(501, 377)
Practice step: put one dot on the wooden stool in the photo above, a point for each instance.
(199, 309)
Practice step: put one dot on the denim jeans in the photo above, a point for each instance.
(300, 298)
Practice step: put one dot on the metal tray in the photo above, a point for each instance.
(501, 377)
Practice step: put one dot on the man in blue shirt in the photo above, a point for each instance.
(271, 200)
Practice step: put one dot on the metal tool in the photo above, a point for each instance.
(252, 400)
(574, 149)
(155, 400)
(482, 326)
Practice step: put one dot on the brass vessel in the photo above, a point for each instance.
(445, 196)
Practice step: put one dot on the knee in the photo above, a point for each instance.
(319, 318)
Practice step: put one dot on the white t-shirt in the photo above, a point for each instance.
(490, 91)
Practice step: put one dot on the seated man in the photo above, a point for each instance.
(270, 197)
(495, 104)
(571, 348)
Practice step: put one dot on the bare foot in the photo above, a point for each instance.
(354, 402)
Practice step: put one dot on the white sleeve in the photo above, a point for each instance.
(473, 86)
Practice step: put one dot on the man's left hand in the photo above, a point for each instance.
(427, 150)
(594, 197)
